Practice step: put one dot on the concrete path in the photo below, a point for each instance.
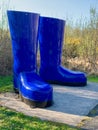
(71, 104)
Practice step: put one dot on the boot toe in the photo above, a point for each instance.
(63, 76)
(34, 91)
(73, 78)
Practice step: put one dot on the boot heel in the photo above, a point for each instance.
(16, 90)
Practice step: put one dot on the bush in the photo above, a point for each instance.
(81, 45)
(5, 53)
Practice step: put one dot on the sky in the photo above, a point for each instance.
(72, 9)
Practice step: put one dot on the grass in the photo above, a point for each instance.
(11, 120)
(93, 78)
(6, 83)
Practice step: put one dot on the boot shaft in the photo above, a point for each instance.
(51, 34)
(23, 29)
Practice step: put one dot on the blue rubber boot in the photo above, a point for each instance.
(51, 33)
(24, 35)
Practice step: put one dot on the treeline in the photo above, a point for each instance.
(80, 50)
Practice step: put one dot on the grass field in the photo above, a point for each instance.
(11, 120)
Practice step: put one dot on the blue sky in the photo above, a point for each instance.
(73, 9)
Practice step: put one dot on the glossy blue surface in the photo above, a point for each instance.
(23, 28)
(51, 33)
(34, 88)
(24, 35)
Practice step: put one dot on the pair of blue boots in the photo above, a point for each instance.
(26, 30)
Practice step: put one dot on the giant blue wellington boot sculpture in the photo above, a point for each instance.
(24, 32)
(51, 33)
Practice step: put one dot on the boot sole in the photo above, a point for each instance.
(67, 84)
(34, 104)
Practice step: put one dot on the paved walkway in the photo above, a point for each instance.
(71, 105)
